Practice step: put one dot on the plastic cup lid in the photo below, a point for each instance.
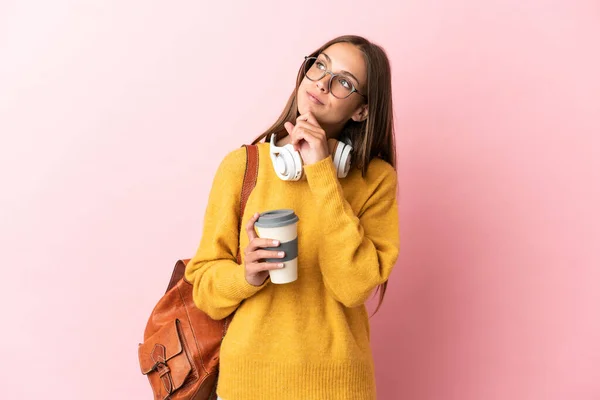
(276, 218)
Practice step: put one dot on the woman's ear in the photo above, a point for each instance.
(361, 113)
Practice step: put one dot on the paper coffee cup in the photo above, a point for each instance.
(281, 225)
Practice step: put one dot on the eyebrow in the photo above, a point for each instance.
(346, 72)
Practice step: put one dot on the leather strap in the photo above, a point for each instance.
(249, 182)
(159, 355)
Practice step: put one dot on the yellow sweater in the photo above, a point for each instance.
(306, 340)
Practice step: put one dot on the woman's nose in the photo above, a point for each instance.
(323, 83)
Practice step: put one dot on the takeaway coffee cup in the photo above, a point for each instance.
(281, 225)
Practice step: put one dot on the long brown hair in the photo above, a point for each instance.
(371, 138)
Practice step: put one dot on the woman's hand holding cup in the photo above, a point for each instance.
(257, 271)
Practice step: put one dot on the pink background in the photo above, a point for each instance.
(114, 116)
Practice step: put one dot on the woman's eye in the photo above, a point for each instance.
(345, 83)
(320, 65)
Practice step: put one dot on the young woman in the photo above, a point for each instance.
(308, 339)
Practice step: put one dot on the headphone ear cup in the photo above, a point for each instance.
(296, 161)
(288, 164)
(342, 158)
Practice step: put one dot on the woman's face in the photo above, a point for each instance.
(332, 112)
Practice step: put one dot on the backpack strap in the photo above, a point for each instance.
(250, 177)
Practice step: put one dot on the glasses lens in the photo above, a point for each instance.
(341, 87)
(314, 69)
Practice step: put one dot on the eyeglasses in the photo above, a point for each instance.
(340, 86)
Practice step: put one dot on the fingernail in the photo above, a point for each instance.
(281, 254)
(275, 242)
(280, 265)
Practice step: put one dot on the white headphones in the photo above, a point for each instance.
(288, 163)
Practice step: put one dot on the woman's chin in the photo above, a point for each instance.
(303, 108)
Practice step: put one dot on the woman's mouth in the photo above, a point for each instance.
(314, 99)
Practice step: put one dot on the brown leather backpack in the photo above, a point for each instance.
(180, 353)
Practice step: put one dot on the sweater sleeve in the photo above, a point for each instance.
(356, 253)
(219, 281)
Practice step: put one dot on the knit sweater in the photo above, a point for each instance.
(306, 340)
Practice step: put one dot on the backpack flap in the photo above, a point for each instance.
(164, 359)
